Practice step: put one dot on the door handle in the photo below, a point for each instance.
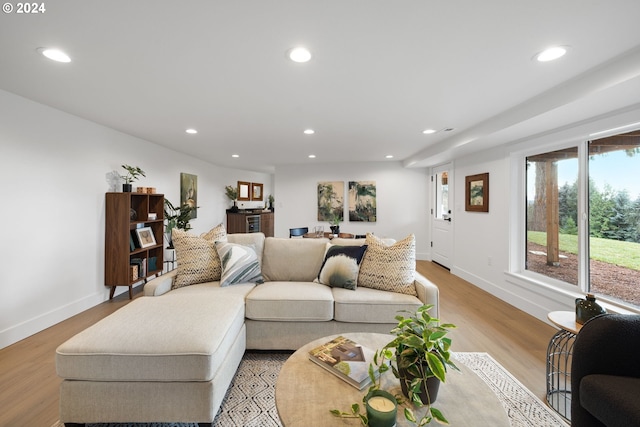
(448, 219)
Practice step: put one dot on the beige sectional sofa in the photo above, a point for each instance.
(171, 355)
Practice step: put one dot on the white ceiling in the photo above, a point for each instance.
(382, 71)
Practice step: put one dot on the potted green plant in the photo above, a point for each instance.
(271, 199)
(334, 223)
(176, 217)
(232, 194)
(422, 357)
(133, 174)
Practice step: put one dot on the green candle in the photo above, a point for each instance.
(382, 409)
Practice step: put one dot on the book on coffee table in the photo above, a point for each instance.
(345, 359)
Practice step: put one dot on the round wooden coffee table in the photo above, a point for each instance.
(305, 393)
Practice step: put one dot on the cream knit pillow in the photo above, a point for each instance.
(389, 268)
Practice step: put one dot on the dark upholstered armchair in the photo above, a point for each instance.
(605, 372)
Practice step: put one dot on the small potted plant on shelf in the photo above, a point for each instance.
(271, 199)
(133, 174)
(232, 194)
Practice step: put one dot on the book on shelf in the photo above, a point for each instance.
(345, 359)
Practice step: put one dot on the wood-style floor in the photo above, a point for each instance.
(29, 385)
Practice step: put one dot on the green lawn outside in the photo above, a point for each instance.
(624, 254)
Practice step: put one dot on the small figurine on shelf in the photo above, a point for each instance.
(133, 174)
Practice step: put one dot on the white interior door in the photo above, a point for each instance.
(441, 219)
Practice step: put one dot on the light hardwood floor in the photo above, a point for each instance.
(29, 385)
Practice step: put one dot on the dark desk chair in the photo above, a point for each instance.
(605, 373)
(298, 232)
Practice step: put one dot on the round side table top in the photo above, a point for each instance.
(565, 320)
(305, 393)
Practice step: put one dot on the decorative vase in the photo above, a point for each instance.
(234, 208)
(587, 309)
(335, 229)
(126, 188)
(428, 388)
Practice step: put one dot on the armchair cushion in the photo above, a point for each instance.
(612, 399)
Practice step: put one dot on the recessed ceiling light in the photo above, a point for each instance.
(429, 131)
(551, 53)
(54, 54)
(312, 156)
(191, 131)
(235, 156)
(309, 131)
(299, 54)
(389, 156)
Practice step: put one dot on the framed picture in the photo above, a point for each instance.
(145, 237)
(189, 193)
(256, 191)
(243, 190)
(476, 192)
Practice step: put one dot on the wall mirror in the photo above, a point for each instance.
(243, 190)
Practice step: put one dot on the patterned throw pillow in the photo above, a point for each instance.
(239, 264)
(389, 268)
(341, 265)
(198, 261)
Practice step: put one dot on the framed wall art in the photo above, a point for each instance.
(331, 201)
(362, 201)
(476, 193)
(189, 192)
(256, 191)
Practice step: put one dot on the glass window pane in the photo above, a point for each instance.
(552, 214)
(442, 195)
(614, 217)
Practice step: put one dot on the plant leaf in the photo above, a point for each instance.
(438, 416)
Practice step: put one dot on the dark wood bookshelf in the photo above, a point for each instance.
(125, 213)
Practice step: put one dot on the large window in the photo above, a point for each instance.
(583, 216)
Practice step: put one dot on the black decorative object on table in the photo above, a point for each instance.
(587, 309)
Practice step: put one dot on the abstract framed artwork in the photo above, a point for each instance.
(330, 200)
(189, 192)
(476, 192)
(362, 201)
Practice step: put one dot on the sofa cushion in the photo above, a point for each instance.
(198, 261)
(389, 268)
(611, 399)
(296, 260)
(365, 305)
(290, 301)
(150, 339)
(239, 264)
(341, 266)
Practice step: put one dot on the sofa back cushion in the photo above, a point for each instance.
(287, 260)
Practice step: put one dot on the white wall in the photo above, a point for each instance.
(52, 182)
(480, 236)
(402, 199)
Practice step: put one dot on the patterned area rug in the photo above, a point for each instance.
(250, 401)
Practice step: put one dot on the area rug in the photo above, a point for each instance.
(250, 401)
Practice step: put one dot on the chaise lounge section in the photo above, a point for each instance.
(171, 355)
